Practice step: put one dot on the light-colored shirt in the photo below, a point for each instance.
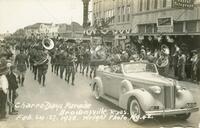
(4, 84)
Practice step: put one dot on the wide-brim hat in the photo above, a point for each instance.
(194, 51)
(3, 66)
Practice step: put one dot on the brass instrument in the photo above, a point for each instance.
(48, 43)
(163, 60)
(42, 56)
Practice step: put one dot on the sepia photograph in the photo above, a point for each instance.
(99, 63)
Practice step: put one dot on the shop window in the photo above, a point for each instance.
(149, 28)
(155, 28)
(178, 27)
(141, 28)
(191, 26)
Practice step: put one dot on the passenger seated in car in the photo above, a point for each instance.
(116, 68)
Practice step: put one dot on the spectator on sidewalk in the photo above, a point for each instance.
(12, 87)
(3, 87)
(181, 66)
(198, 68)
(194, 65)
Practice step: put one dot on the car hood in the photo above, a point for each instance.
(150, 78)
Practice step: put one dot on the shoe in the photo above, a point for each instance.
(13, 113)
(72, 84)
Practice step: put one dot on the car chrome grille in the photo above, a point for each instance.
(169, 96)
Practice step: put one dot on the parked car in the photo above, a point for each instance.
(138, 88)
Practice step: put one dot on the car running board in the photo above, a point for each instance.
(110, 99)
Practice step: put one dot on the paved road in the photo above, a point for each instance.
(58, 93)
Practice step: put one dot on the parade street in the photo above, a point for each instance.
(57, 91)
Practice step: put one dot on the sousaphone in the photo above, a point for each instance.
(48, 43)
(42, 56)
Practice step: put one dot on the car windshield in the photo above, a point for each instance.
(139, 67)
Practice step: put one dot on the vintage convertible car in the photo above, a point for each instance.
(138, 88)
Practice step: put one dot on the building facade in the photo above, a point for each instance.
(149, 17)
(142, 16)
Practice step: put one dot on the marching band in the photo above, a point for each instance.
(67, 56)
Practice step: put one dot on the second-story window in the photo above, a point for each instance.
(164, 3)
(141, 5)
(155, 4)
(128, 12)
(148, 4)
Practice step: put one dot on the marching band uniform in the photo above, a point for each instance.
(21, 61)
(57, 62)
(62, 63)
(42, 69)
(71, 67)
(86, 61)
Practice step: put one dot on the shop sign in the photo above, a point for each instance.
(183, 4)
(165, 24)
(167, 21)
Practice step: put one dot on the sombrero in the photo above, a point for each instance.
(3, 66)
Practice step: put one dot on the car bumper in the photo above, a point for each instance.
(171, 111)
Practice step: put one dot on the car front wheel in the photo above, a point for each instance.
(96, 92)
(183, 116)
(135, 111)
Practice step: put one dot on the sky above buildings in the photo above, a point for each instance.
(15, 14)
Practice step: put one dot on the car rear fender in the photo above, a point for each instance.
(97, 81)
(145, 99)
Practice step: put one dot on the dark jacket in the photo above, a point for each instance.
(12, 81)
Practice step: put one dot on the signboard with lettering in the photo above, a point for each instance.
(165, 24)
(167, 21)
(185, 4)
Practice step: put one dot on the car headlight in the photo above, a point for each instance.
(156, 89)
(178, 87)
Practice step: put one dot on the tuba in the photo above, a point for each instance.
(42, 56)
(163, 60)
(48, 43)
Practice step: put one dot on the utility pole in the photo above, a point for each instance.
(85, 12)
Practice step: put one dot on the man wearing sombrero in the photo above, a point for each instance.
(3, 87)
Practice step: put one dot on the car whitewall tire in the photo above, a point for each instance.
(135, 111)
